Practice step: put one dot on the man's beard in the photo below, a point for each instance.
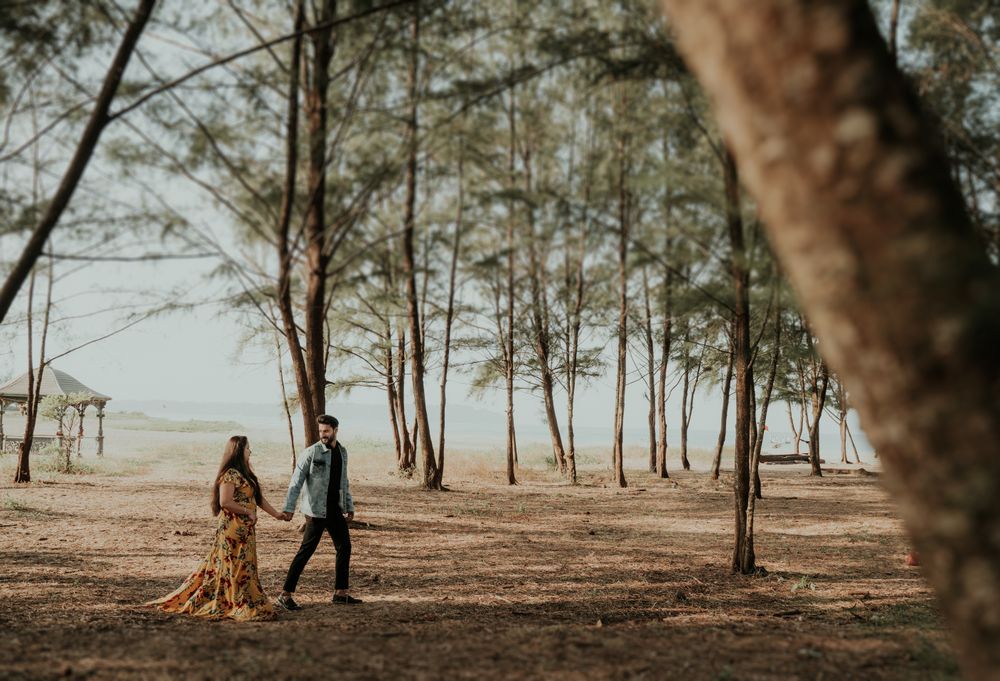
(325, 439)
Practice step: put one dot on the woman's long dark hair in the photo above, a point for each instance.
(233, 457)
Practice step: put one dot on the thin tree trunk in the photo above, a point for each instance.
(573, 351)
(429, 464)
(508, 338)
(651, 394)
(818, 402)
(796, 434)
(684, 403)
(843, 439)
(842, 420)
(406, 454)
(661, 445)
(665, 342)
(744, 559)
(753, 427)
(284, 296)
(618, 454)
(284, 397)
(854, 448)
(753, 407)
(803, 405)
(414, 443)
(98, 120)
(390, 391)
(23, 472)
(316, 241)
(450, 312)
(692, 392)
(726, 393)
(768, 390)
(540, 323)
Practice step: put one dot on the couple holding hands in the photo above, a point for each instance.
(226, 582)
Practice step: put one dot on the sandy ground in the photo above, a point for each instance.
(484, 581)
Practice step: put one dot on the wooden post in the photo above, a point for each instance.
(100, 428)
(3, 437)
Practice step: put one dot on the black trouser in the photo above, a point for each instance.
(336, 525)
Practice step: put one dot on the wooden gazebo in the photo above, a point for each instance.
(54, 382)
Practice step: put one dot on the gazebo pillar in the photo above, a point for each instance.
(80, 409)
(100, 428)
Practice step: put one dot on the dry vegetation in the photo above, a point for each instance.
(483, 581)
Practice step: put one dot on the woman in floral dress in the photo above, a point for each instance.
(226, 583)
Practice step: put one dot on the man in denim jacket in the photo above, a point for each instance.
(321, 475)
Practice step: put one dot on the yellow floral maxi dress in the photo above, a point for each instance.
(226, 583)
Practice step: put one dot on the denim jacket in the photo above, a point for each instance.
(313, 471)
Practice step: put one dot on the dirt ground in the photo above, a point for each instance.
(484, 581)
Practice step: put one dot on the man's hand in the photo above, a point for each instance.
(287, 515)
(350, 516)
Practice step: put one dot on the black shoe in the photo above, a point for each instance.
(345, 599)
(288, 603)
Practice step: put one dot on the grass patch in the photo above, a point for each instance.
(11, 504)
(49, 465)
(488, 510)
(24, 510)
(804, 583)
(52, 464)
(475, 511)
(915, 615)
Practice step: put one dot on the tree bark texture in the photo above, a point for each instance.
(873, 233)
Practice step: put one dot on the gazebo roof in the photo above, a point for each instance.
(54, 382)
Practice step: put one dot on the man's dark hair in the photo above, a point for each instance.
(327, 420)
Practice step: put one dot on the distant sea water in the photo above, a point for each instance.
(466, 426)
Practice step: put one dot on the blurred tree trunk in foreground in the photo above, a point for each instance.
(875, 237)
